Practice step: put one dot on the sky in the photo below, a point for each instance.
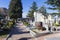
(26, 5)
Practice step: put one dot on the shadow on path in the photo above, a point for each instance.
(25, 38)
(17, 31)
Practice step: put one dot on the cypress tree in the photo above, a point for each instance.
(33, 9)
(15, 9)
(43, 10)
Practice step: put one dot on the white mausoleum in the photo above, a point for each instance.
(39, 17)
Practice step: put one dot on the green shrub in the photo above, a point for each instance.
(8, 25)
(6, 28)
(54, 24)
(26, 23)
(57, 24)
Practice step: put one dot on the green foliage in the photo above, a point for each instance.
(15, 9)
(25, 23)
(8, 26)
(2, 16)
(57, 24)
(43, 11)
(54, 13)
(4, 34)
(10, 23)
(33, 8)
(30, 14)
(55, 4)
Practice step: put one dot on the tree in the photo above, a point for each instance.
(15, 9)
(55, 4)
(33, 8)
(43, 11)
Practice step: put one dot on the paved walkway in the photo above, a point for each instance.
(20, 33)
(50, 36)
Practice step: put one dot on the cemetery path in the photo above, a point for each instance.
(50, 36)
(20, 33)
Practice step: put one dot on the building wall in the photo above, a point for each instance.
(38, 17)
